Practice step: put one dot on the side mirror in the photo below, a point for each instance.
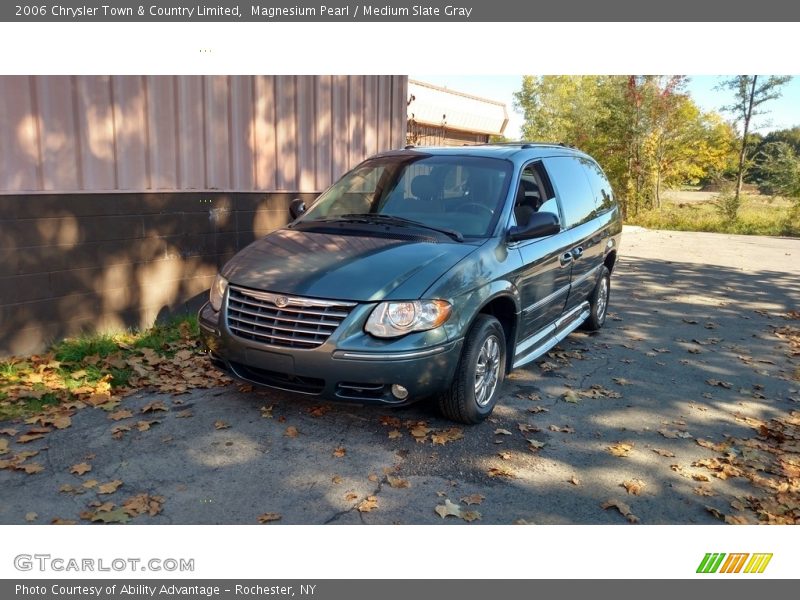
(538, 226)
(297, 208)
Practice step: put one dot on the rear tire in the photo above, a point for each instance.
(598, 301)
(479, 375)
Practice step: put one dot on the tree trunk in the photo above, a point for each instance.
(743, 151)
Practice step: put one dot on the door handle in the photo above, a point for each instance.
(565, 259)
(577, 252)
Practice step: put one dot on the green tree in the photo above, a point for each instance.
(749, 94)
(780, 170)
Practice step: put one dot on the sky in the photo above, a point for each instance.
(784, 112)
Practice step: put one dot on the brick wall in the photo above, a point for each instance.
(87, 262)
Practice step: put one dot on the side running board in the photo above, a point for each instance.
(532, 349)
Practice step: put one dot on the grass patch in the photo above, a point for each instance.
(27, 407)
(758, 215)
(80, 367)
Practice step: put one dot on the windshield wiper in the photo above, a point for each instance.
(401, 221)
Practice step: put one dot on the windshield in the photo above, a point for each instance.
(459, 193)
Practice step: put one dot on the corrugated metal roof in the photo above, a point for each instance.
(434, 105)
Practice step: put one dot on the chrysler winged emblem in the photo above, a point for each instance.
(281, 301)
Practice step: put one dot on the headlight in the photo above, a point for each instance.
(217, 292)
(393, 319)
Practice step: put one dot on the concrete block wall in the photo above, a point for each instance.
(71, 263)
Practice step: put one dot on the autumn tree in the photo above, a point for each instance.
(750, 93)
(646, 131)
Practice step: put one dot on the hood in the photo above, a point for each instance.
(342, 267)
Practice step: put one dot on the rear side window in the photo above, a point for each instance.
(603, 195)
(572, 185)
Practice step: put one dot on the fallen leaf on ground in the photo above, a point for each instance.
(269, 518)
(339, 452)
(623, 508)
(373, 477)
(565, 429)
(538, 409)
(397, 482)
(118, 431)
(29, 437)
(395, 434)
(221, 425)
(448, 509)
(574, 480)
(350, 496)
(620, 449)
(502, 432)
(146, 425)
(473, 499)
(31, 517)
(662, 452)
(420, 432)
(534, 445)
(119, 515)
(504, 455)
(291, 432)
(571, 397)
(143, 504)
(110, 487)
(31, 468)
(319, 410)
(390, 421)
(500, 472)
(526, 428)
(674, 433)
(80, 468)
(701, 490)
(369, 504)
(118, 415)
(266, 411)
(621, 381)
(60, 421)
(717, 383)
(60, 521)
(700, 477)
(471, 515)
(634, 486)
(90, 483)
(336, 479)
(184, 414)
(8, 431)
(444, 436)
(715, 512)
(3, 446)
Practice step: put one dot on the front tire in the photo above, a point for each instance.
(479, 376)
(598, 301)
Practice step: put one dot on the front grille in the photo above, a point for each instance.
(285, 321)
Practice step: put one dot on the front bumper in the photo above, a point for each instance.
(332, 371)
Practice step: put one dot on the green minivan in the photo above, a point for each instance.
(423, 273)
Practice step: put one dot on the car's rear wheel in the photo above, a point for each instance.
(598, 301)
(479, 376)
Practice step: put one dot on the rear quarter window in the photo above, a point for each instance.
(575, 193)
(603, 195)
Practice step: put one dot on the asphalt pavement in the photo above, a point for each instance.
(689, 357)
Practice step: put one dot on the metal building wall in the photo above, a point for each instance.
(187, 133)
(121, 197)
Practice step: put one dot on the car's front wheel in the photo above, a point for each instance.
(479, 375)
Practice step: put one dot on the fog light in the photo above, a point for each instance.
(399, 392)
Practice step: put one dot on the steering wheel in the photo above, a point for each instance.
(475, 208)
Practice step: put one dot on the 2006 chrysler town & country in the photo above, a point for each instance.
(425, 272)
